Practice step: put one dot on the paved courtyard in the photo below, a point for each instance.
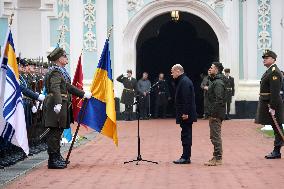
(99, 164)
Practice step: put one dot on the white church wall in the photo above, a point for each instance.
(277, 35)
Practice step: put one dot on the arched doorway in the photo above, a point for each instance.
(127, 58)
(190, 42)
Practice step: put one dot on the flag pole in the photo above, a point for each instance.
(81, 116)
(109, 32)
(11, 19)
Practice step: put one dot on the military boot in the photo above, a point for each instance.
(54, 162)
(214, 162)
(275, 154)
(60, 157)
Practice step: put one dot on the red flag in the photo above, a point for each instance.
(77, 82)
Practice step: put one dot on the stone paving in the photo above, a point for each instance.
(99, 164)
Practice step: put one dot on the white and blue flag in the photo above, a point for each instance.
(12, 118)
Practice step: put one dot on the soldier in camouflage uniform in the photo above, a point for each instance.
(270, 86)
(216, 111)
(57, 107)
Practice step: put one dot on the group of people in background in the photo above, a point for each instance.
(141, 91)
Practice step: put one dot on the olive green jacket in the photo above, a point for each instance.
(59, 91)
(216, 97)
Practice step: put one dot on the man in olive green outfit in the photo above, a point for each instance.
(57, 107)
(216, 111)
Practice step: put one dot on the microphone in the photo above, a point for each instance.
(155, 84)
(152, 87)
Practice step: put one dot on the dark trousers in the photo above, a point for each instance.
(161, 105)
(53, 140)
(186, 139)
(278, 140)
(215, 136)
(128, 112)
(144, 106)
(205, 103)
(228, 107)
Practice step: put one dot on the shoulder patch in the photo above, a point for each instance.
(274, 78)
(273, 68)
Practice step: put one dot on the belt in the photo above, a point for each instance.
(129, 89)
(264, 94)
(27, 98)
(63, 95)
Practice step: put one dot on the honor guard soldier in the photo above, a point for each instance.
(270, 103)
(57, 107)
(162, 96)
(29, 96)
(230, 91)
(128, 93)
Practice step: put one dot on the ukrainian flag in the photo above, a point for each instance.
(99, 111)
(13, 126)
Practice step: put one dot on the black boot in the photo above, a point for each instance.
(54, 162)
(60, 157)
(275, 154)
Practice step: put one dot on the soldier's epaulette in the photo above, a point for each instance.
(273, 68)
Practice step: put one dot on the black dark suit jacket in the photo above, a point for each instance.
(185, 100)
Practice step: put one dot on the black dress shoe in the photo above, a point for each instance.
(273, 155)
(182, 161)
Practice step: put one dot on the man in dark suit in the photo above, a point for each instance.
(270, 101)
(161, 97)
(128, 93)
(230, 91)
(185, 110)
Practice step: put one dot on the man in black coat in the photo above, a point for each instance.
(230, 91)
(270, 101)
(161, 96)
(185, 110)
(128, 93)
(216, 111)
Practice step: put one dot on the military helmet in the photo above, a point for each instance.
(56, 54)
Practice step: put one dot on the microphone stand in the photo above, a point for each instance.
(139, 157)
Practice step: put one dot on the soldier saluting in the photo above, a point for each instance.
(270, 103)
(128, 93)
(57, 107)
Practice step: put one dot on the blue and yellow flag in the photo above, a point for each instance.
(99, 111)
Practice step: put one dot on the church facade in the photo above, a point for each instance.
(234, 32)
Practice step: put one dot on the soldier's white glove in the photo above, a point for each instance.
(34, 109)
(57, 108)
(87, 94)
(40, 106)
(41, 97)
(272, 111)
(37, 104)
